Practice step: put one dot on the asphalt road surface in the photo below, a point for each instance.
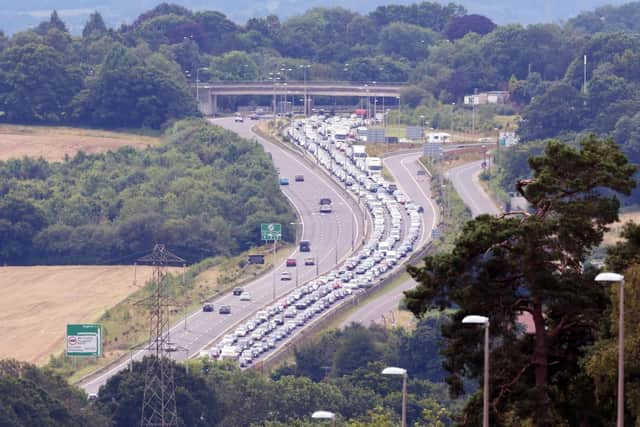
(465, 181)
(331, 236)
(404, 168)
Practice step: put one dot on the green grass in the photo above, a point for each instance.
(125, 325)
(456, 214)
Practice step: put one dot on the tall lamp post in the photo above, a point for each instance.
(392, 370)
(484, 321)
(198, 80)
(608, 278)
(325, 415)
(304, 73)
(296, 224)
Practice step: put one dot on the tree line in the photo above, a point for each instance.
(139, 74)
(212, 393)
(552, 327)
(203, 192)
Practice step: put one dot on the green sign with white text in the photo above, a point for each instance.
(271, 232)
(84, 340)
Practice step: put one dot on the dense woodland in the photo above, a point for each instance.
(203, 192)
(344, 377)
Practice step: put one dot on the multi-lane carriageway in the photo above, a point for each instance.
(330, 235)
(279, 326)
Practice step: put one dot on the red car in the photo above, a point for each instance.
(291, 262)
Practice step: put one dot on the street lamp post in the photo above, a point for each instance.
(391, 370)
(608, 278)
(304, 73)
(325, 415)
(484, 321)
(198, 80)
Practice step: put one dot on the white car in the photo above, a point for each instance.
(246, 296)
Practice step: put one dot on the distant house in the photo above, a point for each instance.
(484, 98)
(437, 137)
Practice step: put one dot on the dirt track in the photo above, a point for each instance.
(36, 303)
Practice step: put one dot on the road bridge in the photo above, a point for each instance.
(208, 93)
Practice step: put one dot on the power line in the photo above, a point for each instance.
(159, 398)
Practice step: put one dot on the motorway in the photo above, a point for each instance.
(331, 236)
(465, 180)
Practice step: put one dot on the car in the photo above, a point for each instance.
(246, 296)
(238, 291)
(224, 309)
(207, 307)
(170, 347)
(254, 116)
(291, 262)
(284, 181)
(299, 178)
(310, 261)
(285, 275)
(238, 119)
(92, 397)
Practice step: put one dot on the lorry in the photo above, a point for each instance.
(373, 165)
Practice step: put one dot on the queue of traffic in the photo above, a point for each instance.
(396, 227)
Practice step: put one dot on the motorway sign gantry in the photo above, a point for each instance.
(271, 232)
(84, 340)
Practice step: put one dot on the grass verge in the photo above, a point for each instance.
(455, 213)
(125, 326)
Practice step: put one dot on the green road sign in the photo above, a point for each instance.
(84, 340)
(271, 231)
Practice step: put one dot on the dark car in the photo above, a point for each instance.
(299, 178)
(291, 262)
(225, 309)
(207, 307)
(238, 291)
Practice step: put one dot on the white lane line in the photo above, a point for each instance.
(427, 198)
(324, 179)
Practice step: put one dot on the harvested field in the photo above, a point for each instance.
(36, 303)
(613, 236)
(53, 143)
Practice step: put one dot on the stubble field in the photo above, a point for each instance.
(36, 303)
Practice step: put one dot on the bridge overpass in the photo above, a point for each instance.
(208, 93)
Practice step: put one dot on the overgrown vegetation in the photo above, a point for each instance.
(202, 193)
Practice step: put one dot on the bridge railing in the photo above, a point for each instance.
(302, 83)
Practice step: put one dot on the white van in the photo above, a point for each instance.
(383, 246)
(229, 352)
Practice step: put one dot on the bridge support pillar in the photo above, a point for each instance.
(207, 102)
